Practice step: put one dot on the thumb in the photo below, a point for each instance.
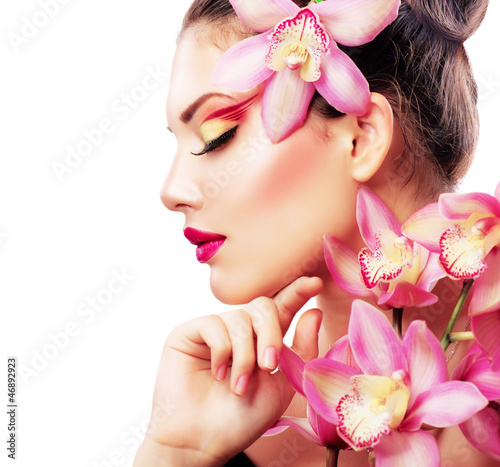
(305, 340)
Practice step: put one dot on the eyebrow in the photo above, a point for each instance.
(187, 115)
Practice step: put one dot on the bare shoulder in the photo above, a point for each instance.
(456, 451)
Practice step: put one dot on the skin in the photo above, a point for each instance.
(274, 203)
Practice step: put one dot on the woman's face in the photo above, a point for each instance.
(272, 202)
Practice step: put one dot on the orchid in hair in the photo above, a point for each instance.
(296, 54)
(394, 270)
(401, 387)
(464, 229)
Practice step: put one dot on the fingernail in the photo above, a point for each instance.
(270, 358)
(242, 384)
(221, 372)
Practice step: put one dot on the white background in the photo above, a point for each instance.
(85, 402)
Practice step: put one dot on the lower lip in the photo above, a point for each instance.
(207, 250)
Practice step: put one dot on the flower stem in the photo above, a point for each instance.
(445, 340)
(461, 336)
(332, 456)
(397, 321)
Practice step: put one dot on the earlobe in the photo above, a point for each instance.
(373, 139)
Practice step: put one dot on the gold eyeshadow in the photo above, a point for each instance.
(212, 129)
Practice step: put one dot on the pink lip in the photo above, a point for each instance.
(208, 243)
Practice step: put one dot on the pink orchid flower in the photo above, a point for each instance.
(482, 429)
(296, 54)
(314, 427)
(395, 271)
(465, 231)
(401, 387)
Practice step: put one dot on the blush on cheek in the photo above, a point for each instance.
(285, 170)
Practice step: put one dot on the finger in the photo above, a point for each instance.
(204, 338)
(263, 313)
(294, 296)
(239, 327)
(305, 339)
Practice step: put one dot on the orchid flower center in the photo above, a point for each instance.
(464, 246)
(299, 43)
(375, 406)
(392, 255)
(295, 56)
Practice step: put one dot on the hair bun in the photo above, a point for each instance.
(452, 20)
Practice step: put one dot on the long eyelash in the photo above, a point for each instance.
(217, 142)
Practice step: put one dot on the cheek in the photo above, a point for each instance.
(303, 185)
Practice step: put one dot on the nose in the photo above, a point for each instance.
(181, 191)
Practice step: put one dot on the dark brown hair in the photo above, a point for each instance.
(420, 65)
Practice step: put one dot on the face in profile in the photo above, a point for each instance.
(257, 211)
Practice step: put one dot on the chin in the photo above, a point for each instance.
(233, 290)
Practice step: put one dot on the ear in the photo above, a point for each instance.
(372, 138)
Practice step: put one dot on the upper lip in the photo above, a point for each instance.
(197, 237)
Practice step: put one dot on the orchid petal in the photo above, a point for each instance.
(486, 329)
(486, 380)
(431, 273)
(405, 294)
(486, 291)
(460, 371)
(300, 424)
(342, 262)
(261, 15)
(425, 357)
(379, 265)
(444, 405)
(413, 449)
(243, 66)
(285, 103)
(461, 206)
(356, 22)
(326, 431)
(461, 253)
(483, 432)
(342, 84)
(497, 192)
(325, 383)
(376, 405)
(341, 352)
(374, 343)
(373, 217)
(292, 366)
(426, 227)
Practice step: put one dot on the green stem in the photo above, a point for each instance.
(332, 456)
(461, 336)
(445, 340)
(397, 321)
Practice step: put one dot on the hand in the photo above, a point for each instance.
(215, 394)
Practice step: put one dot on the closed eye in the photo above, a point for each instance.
(217, 142)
